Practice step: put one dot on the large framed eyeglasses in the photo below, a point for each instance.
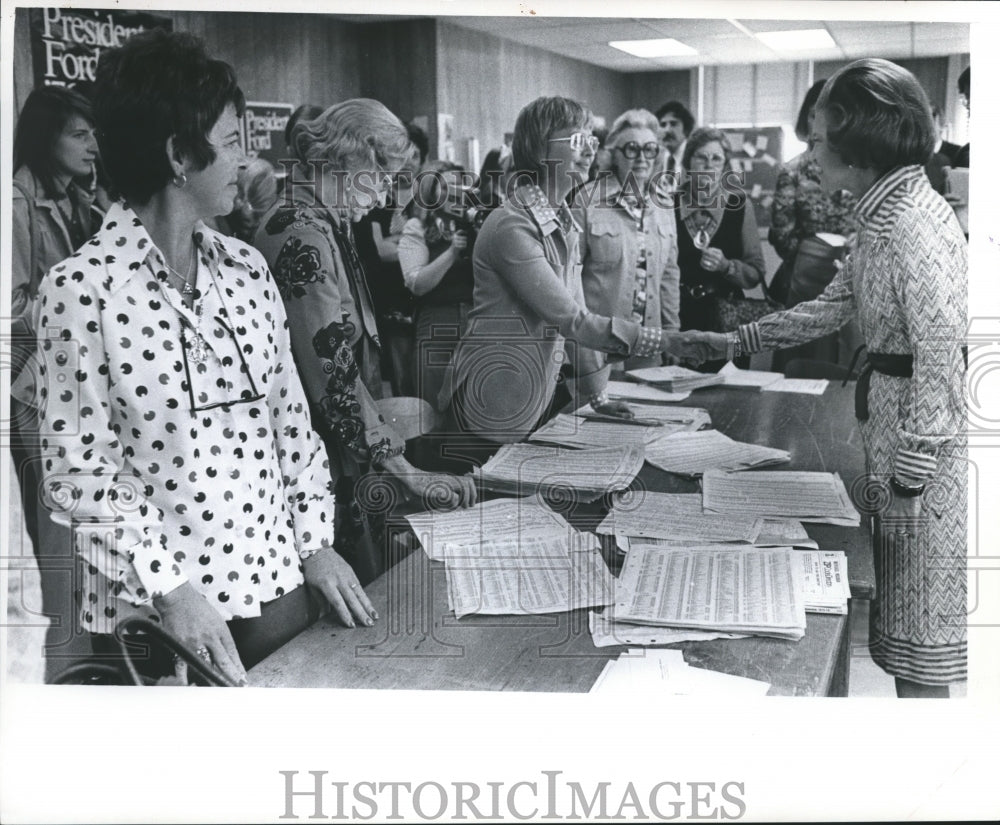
(578, 140)
(631, 150)
(251, 396)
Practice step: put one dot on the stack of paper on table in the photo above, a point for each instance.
(676, 517)
(675, 379)
(672, 419)
(573, 431)
(827, 587)
(694, 453)
(519, 518)
(754, 380)
(519, 576)
(753, 591)
(629, 391)
(666, 672)
(607, 632)
(807, 496)
(804, 386)
(527, 468)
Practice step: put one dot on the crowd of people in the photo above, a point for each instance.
(235, 336)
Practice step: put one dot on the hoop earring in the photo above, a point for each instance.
(180, 180)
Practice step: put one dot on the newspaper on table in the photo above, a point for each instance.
(754, 380)
(675, 379)
(629, 391)
(530, 577)
(694, 453)
(607, 632)
(676, 517)
(805, 386)
(754, 591)
(471, 527)
(666, 672)
(802, 495)
(528, 468)
(573, 431)
(827, 587)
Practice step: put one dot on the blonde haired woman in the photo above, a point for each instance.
(347, 156)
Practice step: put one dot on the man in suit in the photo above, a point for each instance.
(676, 123)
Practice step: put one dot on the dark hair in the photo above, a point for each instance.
(702, 137)
(156, 86)
(808, 104)
(307, 111)
(418, 137)
(536, 122)
(965, 82)
(877, 116)
(678, 110)
(46, 112)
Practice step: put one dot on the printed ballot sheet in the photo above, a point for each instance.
(606, 631)
(534, 580)
(513, 518)
(528, 468)
(677, 517)
(694, 453)
(802, 495)
(755, 591)
(574, 431)
(628, 391)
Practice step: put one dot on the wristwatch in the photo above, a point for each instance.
(904, 490)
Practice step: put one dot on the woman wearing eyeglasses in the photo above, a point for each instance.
(529, 312)
(177, 428)
(351, 152)
(628, 245)
(718, 244)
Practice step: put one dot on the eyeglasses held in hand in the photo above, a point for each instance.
(578, 140)
(251, 396)
(632, 149)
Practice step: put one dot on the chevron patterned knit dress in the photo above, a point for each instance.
(906, 282)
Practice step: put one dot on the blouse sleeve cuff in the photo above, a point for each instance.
(750, 337)
(158, 572)
(913, 468)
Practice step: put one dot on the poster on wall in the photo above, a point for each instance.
(263, 130)
(755, 153)
(67, 43)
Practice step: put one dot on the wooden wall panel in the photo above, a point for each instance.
(484, 81)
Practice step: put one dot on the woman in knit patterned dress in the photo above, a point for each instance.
(906, 282)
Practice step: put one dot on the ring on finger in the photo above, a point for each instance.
(204, 653)
(353, 586)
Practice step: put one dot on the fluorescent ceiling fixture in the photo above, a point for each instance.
(797, 40)
(666, 47)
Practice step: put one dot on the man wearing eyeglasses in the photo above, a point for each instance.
(628, 247)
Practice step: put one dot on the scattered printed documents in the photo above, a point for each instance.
(675, 379)
(528, 468)
(754, 591)
(677, 517)
(575, 431)
(806, 496)
(666, 672)
(629, 391)
(532, 578)
(606, 632)
(692, 454)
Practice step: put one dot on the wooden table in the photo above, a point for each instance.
(418, 643)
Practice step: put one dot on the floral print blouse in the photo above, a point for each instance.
(333, 333)
(800, 208)
(162, 482)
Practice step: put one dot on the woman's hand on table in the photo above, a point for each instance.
(328, 573)
(439, 491)
(619, 409)
(186, 614)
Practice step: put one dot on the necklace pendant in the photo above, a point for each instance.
(198, 349)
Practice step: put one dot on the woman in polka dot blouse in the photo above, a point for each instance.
(178, 429)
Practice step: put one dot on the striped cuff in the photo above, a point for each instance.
(649, 343)
(913, 469)
(750, 338)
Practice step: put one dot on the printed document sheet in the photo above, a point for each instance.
(802, 495)
(694, 453)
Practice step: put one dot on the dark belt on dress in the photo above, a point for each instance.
(898, 365)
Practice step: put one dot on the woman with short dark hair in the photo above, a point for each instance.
(182, 431)
(905, 280)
